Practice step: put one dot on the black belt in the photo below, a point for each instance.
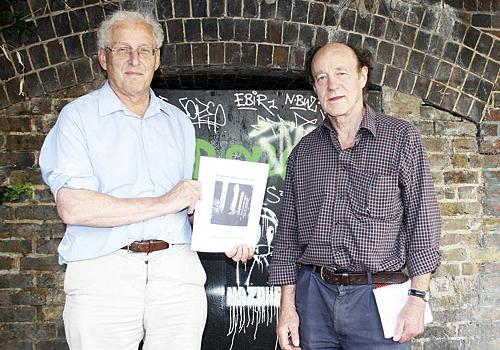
(332, 276)
(148, 246)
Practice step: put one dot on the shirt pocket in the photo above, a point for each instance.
(375, 195)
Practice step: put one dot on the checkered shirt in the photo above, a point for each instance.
(371, 207)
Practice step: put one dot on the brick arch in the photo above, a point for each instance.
(231, 65)
(445, 53)
(60, 64)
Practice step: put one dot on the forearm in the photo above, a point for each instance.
(90, 208)
(421, 282)
(288, 297)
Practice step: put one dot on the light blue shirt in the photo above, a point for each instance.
(98, 144)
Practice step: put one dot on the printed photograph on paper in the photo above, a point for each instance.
(228, 213)
(231, 203)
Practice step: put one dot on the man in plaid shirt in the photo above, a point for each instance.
(359, 206)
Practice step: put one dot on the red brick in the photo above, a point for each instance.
(18, 124)
(274, 30)
(489, 129)
(492, 115)
(264, 55)
(490, 146)
(280, 56)
(24, 142)
(216, 53)
(6, 263)
(200, 54)
(298, 57)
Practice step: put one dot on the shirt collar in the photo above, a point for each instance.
(367, 123)
(155, 106)
(109, 103)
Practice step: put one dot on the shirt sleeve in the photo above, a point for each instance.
(422, 219)
(283, 268)
(64, 157)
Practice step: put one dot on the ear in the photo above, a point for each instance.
(101, 54)
(364, 75)
(157, 59)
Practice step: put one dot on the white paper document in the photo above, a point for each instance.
(229, 210)
(390, 300)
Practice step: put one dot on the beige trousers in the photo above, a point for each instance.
(115, 301)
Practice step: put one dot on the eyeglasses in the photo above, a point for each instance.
(124, 52)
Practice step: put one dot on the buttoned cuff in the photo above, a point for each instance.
(423, 261)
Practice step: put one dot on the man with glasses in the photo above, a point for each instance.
(119, 162)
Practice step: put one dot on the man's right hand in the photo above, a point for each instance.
(287, 329)
(95, 209)
(184, 194)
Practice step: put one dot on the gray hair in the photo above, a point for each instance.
(105, 29)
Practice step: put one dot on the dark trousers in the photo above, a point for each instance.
(334, 317)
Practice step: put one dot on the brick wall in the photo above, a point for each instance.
(464, 289)
(444, 54)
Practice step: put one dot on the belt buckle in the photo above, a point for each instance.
(345, 278)
(321, 273)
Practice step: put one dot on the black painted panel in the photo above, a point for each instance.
(258, 126)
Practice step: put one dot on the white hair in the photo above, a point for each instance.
(105, 29)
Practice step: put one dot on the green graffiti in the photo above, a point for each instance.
(277, 167)
(208, 150)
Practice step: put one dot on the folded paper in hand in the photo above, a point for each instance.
(390, 300)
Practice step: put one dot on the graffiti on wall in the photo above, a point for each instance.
(257, 126)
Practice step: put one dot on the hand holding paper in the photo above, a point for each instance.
(410, 320)
(184, 194)
(241, 253)
(390, 301)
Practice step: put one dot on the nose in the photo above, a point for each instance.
(333, 83)
(134, 58)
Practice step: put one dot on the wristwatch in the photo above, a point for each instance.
(420, 294)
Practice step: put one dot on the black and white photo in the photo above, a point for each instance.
(231, 203)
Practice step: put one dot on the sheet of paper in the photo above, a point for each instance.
(229, 211)
(390, 300)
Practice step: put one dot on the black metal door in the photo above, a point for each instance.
(260, 126)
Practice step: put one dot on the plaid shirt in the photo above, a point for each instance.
(371, 207)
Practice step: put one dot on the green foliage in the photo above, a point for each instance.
(14, 22)
(16, 192)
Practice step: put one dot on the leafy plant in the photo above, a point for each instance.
(15, 192)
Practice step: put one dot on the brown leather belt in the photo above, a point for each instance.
(346, 278)
(148, 246)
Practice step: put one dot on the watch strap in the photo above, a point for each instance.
(419, 294)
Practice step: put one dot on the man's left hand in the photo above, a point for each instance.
(241, 253)
(410, 321)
